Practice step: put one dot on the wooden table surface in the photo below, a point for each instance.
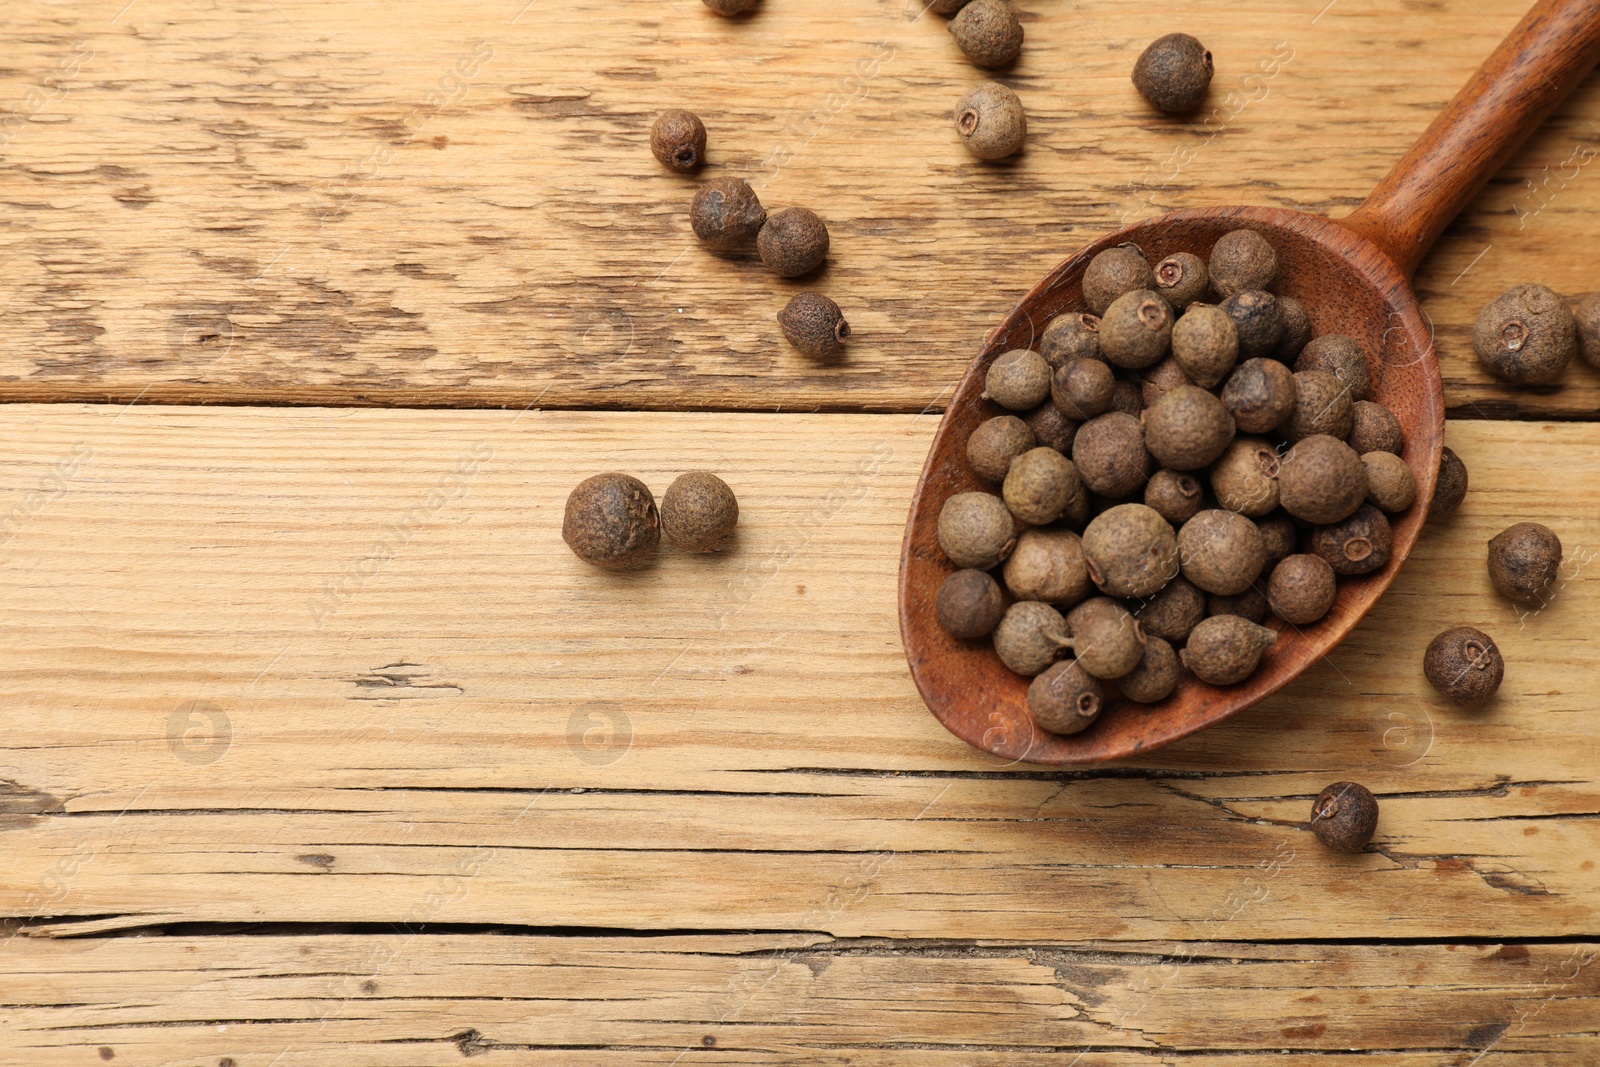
(320, 748)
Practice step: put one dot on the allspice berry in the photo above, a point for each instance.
(1322, 405)
(1040, 485)
(1391, 486)
(1374, 428)
(988, 32)
(1296, 329)
(1175, 496)
(991, 122)
(1341, 356)
(1321, 480)
(1030, 637)
(699, 511)
(1345, 816)
(1241, 260)
(995, 443)
(1221, 552)
(814, 325)
(1181, 279)
(1070, 337)
(1136, 329)
(1110, 455)
(1172, 613)
(976, 530)
(1250, 604)
(1048, 565)
(970, 604)
(678, 140)
(946, 7)
(1018, 380)
(1258, 318)
(1527, 335)
(1163, 377)
(1065, 699)
(1106, 640)
(1464, 665)
(1260, 395)
(1360, 544)
(1155, 677)
(1052, 428)
(1452, 486)
(1113, 272)
(1281, 537)
(611, 521)
(1186, 428)
(1131, 551)
(1523, 562)
(731, 7)
(1127, 397)
(1225, 649)
(726, 214)
(1206, 345)
(793, 242)
(1245, 477)
(1173, 73)
(1586, 313)
(1082, 388)
(1302, 589)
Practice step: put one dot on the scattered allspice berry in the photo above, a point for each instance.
(1374, 428)
(1066, 698)
(995, 443)
(726, 214)
(1296, 329)
(1048, 565)
(1030, 637)
(1321, 480)
(1280, 535)
(1221, 552)
(678, 140)
(1130, 550)
(1464, 665)
(1359, 544)
(1258, 317)
(1241, 260)
(1452, 487)
(1106, 640)
(1155, 677)
(1113, 272)
(793, 242)
(1206, 345)
(611, 521)
(1186, 428)
(976, 530)
(1322, 405)
(1174, 612)
(1260, 395)
(1527, 335)
(1182, 279)
(1110, 455)
(1391, 486)
(1173, 73)
(1175, 496)
(1136, 329)
(1345, 816)
(1341, 356)
(991, 121)
(988, 32)
(1052, 428)
(1082, 388)
(1586, 314)
(1018, 380)
(1245, 477)
(814, 325)
(699, 511)
(1226, 649)
(1523, 562)
(1164, 376)
(970, 604)
(1040, 485)
(1302, 589)
(731, 7)
(1070, 337)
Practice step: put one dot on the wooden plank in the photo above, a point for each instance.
(337, 666)
(303, 202)
(419, 999)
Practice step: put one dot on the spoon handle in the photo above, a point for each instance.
(1551, 50)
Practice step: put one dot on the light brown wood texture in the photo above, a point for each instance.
(298, 202)
(255, 670)
(419, 1000)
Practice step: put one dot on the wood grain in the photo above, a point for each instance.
(298, 202)
(423, 1000)
(336, 666)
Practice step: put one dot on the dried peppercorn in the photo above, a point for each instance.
(991, 122)
(1173, 73)
(793, 242)
(1345, 816)
(678, 140)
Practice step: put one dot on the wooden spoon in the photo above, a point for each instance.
(1354, 276)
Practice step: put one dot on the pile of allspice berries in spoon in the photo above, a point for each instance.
(1169, 467)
